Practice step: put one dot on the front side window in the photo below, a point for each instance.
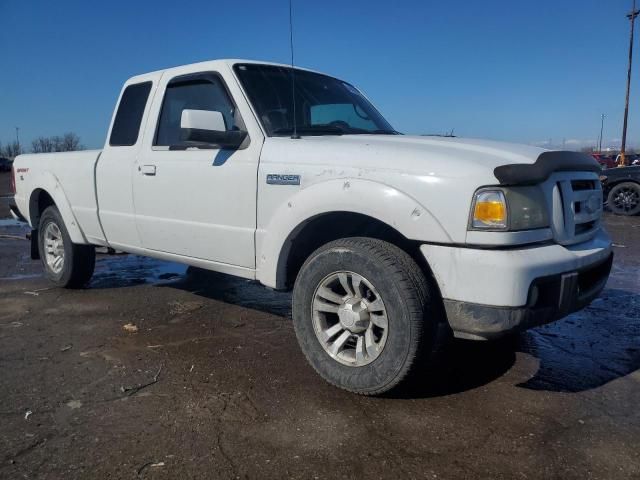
(324, 105)
(204, 92)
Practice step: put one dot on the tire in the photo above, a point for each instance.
(78, 261)
(624, 199)
(412, 318)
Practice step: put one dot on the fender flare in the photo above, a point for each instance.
(48, 183)
(374, 199)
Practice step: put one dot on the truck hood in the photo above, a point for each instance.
(395, 177)
(436, 156)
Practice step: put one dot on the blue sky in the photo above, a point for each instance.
(517, 71)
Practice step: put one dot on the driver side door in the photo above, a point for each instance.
(196, 202)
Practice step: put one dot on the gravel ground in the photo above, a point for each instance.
(213, 385)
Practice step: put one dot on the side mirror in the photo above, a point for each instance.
(207, 128)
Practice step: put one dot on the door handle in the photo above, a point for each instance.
(147, 169)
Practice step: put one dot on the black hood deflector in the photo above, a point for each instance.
(545, 165)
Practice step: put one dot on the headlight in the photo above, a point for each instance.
(512, 208)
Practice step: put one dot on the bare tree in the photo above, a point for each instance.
(11, 150)
(42, 145)
(69, 142)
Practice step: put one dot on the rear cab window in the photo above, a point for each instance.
(126, 126)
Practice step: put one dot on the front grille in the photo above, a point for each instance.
(576, 204)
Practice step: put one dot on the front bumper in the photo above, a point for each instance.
(552, 298)
(488, 293)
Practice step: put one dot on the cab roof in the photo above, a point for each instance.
(206, 65)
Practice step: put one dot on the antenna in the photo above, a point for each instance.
(294, 134)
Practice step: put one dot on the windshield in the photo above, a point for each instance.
(324, 105)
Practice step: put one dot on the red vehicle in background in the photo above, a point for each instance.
(606, 160)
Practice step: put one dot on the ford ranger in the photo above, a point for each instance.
(292, 178)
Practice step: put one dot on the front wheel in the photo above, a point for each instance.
(364, 315)
(65, 263)
(624, 199)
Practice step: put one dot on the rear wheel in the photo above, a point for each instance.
(363, 315)
(65, 263)
(624, 199)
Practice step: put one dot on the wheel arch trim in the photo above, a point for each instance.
(50, 185)
(381, 202)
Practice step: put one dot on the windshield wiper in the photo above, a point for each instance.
(364, 131)
(311, 130)
(385, 132)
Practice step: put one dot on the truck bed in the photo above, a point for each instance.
(70, 175)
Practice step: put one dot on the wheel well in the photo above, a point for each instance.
(38, 202)
(322, 229)
(625, 180)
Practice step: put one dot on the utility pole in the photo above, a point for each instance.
(601, 129)
(18, 135)
(632, 17)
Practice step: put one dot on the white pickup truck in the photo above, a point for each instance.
(390, 242)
